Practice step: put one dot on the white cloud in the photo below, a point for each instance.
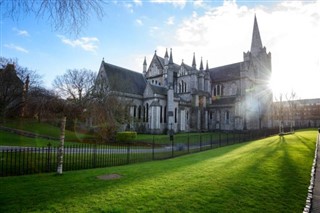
(16, 47)
(176, 3)
(21, 32)
(198, 3)
(139, 22)
(129, 7)
(86, 43)
(289, 30)
(138, 2)
(170, 20)
(154, 30)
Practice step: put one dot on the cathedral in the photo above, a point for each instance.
(184, 98)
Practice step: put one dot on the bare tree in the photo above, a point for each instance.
(75, 85)
(42, 104)
(292, 108)
(64, 15)
(108, 111)
(278, 111)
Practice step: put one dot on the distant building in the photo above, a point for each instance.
(11, 92)
(297, 113)
(186, 98)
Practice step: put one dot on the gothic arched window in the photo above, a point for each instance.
(165, 114)
(147, 112)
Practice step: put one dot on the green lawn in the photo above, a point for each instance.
(44, 129)
(11, 139)
(269, 175)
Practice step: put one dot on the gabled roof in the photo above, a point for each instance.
(187, 67)
(158, 59)
(124, 80)
(225, 73)
(161, 60)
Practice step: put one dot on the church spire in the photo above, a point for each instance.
(207, 66)
(256, 44)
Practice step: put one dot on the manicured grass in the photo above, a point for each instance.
(269, 175)
(183, 137)
(44, 129)
(11, 139)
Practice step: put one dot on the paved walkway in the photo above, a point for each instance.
(316, 190)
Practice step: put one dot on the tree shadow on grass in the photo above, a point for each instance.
(285, 193)
(47, 191)
(303, 140)
(74, 188)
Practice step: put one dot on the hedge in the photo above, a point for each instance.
(126, 136)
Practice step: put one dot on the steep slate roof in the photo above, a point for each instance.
(187, 67)
(225, 73)
(124, 80)
(159, 89)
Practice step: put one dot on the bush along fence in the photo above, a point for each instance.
(33, 160)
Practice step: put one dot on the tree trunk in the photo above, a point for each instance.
(61, 147)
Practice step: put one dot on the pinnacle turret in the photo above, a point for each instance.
(145, 65)
(145, 61)
(171, 58)
(194, 65)
(201, 65)
(166, 58)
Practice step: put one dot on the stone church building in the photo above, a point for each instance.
(181, 97)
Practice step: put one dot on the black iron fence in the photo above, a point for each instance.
(32, 160)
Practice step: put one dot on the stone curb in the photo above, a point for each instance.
(308, 205)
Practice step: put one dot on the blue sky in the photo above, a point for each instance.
(218, 31)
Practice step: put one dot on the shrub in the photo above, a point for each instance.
(126, 136)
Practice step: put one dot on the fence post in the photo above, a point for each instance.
(153, 146)
(200, 141)
(188, 142)
(128, 153)
(49, 157)
(95, 155)
(234, 138)
(211, 140)
(172, 143)
(227, 138)
(219, 138)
